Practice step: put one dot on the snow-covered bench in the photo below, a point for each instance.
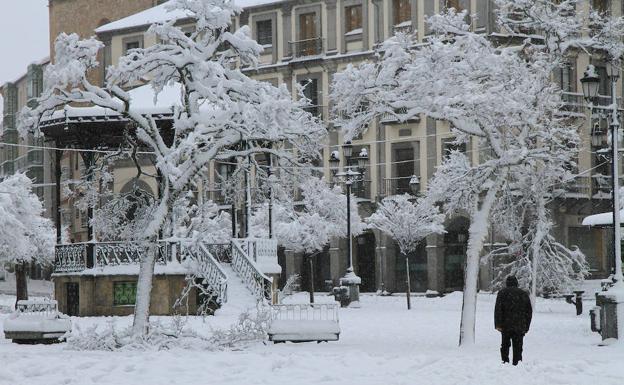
(304, 323)
(36, 321)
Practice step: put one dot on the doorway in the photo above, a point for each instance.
(365, 269)
(73, 298)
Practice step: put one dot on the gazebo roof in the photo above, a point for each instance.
(602, 219)
(101, 127)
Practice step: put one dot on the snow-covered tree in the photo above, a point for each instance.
(307, 226)
(25, 235)
(508, 105)
(533, 255)
(222, 113)
(408, 223)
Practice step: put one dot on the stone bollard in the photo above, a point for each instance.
(609, 303)
(352, 282)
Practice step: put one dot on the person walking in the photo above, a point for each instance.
(512, 317)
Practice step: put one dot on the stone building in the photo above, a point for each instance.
(308, 41)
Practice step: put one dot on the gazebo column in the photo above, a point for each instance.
(57, 195)
(89, 161)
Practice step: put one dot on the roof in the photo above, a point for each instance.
(160, 14)
(602, 219)
(144, 100)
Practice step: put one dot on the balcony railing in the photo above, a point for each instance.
(396, 186)
(307, 47)
(315, 110)
(362, 189)
(579, 187)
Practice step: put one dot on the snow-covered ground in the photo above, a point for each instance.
(381, 343)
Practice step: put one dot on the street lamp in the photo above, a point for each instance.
(349, 177)
(591, 83)
(414, 184)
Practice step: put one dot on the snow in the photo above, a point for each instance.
(37, 323)
(239, 298)
(160, 13)
(144, 99)
(601, 219)
(171, 268)
(380, 343)
(38, 288)
(356, 31)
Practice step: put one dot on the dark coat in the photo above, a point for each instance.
(513, 310)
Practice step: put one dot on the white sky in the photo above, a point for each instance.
(23, 36)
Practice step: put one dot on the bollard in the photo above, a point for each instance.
(577, 301)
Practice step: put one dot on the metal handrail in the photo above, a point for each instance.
(208, 269)
(260, 285)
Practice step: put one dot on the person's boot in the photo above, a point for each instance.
(504, 357)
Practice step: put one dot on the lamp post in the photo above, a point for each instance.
(591, 83)
(610, 301)
(349, 177)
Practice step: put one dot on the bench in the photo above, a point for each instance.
(304, 323)
(36, 321)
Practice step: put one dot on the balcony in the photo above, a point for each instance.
(396, 186)
(316, 110)
(579, 187)
(307, 47)
(362, 189)
(388, 117)
(573, 104)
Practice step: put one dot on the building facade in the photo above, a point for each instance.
(306, 42)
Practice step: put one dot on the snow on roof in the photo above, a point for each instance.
(601, 219)
(143, 100)
(160, 14)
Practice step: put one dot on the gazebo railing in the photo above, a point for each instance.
(70, 258)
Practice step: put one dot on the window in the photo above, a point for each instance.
(602, 6)
(563, 77)
(454, 4)
(124, 293)
(353, 18)
(402, 11)
(264, 32)
(132, 43)
(310, 91)
(449, 145)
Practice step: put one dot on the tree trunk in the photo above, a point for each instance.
(540, 233)
(476, 237)
(21, 282)
(408, 287)
(311, 278)
(140, 326)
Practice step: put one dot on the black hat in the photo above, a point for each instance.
(512, 281)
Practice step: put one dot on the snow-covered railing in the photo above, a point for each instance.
(209, 269)
(260, 285)
(77, 257)
(70, 258)
(222, 252)
(304, 322)
(305, 312)
(44, 307)
(306, 47)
